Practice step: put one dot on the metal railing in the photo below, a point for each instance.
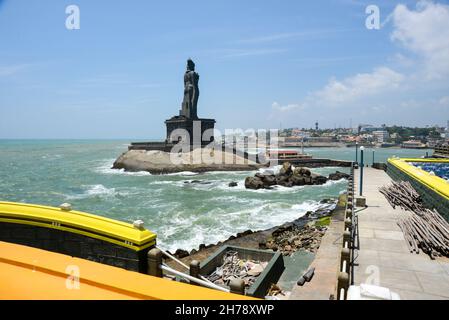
(156, 268)
(350, 242)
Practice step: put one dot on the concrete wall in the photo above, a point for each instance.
(431, 198)
(75, 245)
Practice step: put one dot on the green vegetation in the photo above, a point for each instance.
(406, 133)
(323, 222)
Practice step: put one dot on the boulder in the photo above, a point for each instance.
(338, 175)
(297, 180)
(233, 184)
(181, 253)
(318, 179)
(269, 180)
(253, 183)
(302, 171)
(286, 169)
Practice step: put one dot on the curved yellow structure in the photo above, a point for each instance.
(113, 231)
(435, 183)
(30, 273)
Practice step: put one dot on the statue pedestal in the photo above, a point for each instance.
(194, 128)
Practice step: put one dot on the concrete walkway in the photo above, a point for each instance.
(384, 257)
(326, 263)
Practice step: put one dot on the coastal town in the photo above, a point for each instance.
(366, 135)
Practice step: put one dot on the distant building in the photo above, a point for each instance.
(365, 128)
(433, 142)
(322, 139)
(381, 136)
(413, 144)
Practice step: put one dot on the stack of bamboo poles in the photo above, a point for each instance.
(423, 229)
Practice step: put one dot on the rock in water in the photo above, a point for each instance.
(253, 183)
(338, 175)
(287, 177)
(318, 179)
(286, 169)
(302, 171)
(233, 184)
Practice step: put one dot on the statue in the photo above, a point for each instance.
(188, 115)
(191, 92)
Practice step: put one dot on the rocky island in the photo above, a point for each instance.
(160, 162)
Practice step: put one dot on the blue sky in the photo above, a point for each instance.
(262, 64)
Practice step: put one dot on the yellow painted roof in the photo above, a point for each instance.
(76, 221)
(30, 273)
(433, 182)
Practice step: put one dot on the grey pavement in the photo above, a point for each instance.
(384, 258)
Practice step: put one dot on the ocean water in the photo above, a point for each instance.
(183, 215)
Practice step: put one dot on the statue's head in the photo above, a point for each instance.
(190, 65)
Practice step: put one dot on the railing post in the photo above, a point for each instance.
(342, 285)
(347, 238)
(345, 260)
(155, 262)
(194, 270)
(361, 170)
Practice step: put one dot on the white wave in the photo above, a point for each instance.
(224, 172)
(189, 232)
(332, 182)
(99, 189)
(183, 173)
(106, 168)
(96, 190)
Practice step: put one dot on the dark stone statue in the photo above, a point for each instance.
(191, 92)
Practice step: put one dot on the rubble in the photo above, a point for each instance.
(235, 268)
(292, 238)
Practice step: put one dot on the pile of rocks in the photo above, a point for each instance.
(287, 177)
(292, 238)
(235, 268)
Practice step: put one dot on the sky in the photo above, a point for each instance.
(262, 64)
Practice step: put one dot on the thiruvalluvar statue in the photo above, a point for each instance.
(191, 92)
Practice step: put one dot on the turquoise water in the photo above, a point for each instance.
(380, 154)
(183, 215)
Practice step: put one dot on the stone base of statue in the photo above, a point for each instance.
(198, 132)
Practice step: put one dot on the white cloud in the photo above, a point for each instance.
(359, 86)
(289, 107)
(425, 31)
(424, 34)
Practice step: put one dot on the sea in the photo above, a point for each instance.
(182, 214)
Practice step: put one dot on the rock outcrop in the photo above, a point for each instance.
(287, 177)
(338, 175)
(160, 162)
